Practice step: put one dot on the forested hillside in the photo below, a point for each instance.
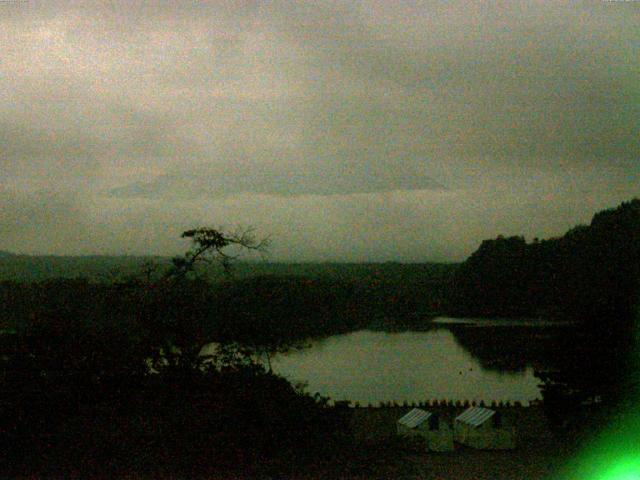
(590, 272)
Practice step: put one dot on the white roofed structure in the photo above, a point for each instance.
(483, 428)
(475, 416)
(437, 435)
(414, 418)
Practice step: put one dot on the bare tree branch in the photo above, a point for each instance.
(209, 245)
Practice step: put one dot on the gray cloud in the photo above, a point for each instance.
(43, 222)
(425, 116)
(273, 181)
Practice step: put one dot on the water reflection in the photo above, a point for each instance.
(512, 348)
(371, 367)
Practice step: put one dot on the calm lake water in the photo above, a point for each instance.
(370, 367)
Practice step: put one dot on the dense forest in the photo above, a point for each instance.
(589, 273)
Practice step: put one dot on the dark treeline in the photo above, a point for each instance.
(107, 268)
(298, 300)
(590, 272)
(268, 306)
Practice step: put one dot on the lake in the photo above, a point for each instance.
(373, 366)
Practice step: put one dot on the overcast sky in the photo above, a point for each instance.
(355, 130)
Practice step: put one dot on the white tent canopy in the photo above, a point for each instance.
(475, 416)
(482, 428)
(414, 418)
(437, 435)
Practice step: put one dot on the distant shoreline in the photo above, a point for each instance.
(500, 322)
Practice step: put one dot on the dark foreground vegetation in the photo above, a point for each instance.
(105, 378)
(101, 380)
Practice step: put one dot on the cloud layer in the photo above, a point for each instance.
(349, 130)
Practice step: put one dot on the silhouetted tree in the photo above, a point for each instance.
(212, 245)
(180, 312)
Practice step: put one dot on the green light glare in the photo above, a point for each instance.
(623, 470)
(615, 455)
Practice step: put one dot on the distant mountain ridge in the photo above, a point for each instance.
(109, 268)
(33, 268)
